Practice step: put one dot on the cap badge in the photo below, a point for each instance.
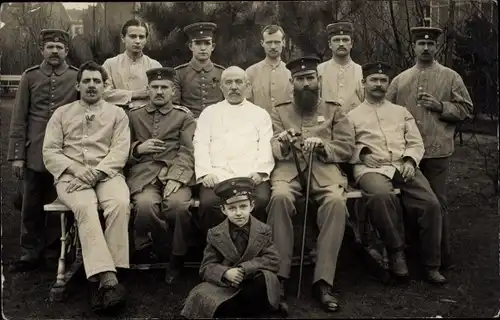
(159, 76)
(232, 183)
(56, 39)
(234, 191)
(379, 71)
(201, 32)
(426, 36)
(341, 32)
(379, 66)
(303, 66)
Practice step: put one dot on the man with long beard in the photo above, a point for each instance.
(325, 130)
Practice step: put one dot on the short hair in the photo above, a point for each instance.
(234, 68)
(91, 66)
(134, 23)
(272, 28)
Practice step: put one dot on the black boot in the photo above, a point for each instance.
(174, 268)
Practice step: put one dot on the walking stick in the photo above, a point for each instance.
(307, 184)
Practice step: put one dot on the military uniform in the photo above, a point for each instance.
(248, 247)
(437, 128)
(148, 173)
(198, 86)
(41, 91)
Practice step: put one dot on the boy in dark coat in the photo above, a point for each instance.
(240, 261)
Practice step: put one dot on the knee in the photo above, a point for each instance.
(118, 206)
(279, 196)
(144, 206)
(434, 206)
(335, 200)
(261, 201)
(176, 209)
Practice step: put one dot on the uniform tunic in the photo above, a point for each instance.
(125, 76)
(197, 86)
(341, 84)
(390, 132)
(96, 136)
(269, 84)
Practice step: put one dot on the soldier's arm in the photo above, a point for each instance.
(392, 91)
(176, 99)
(133, 158)
(414, 144)
(460, 107)
(119, 149)
(19, 121)
(281, 151)
(111, 93)
(182, 168)
(339, 148)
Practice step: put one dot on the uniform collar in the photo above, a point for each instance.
(163, 110)
(195, 64)
(47, 68)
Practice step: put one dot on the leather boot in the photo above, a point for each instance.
(397, 264)
(174, 268)
(433, 276)
(322, 291)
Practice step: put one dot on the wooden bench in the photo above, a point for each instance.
(71, 249)
(8, 82)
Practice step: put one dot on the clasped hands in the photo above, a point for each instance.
(235, 276)
(85, 177)
(407, 169)
(311, 143)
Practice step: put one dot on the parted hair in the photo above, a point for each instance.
(272, 28)
(134, 23)
(91, 66)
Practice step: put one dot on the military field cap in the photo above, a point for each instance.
(425, 33)
(378, 67)
(340, 28)
(235, 189)
(55, 35)
(165, 73)
(200, 30)
(307, 63)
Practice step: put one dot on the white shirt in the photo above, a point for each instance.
(233, 141)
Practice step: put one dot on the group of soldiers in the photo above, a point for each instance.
(132, 131)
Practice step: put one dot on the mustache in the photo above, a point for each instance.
(91, 90)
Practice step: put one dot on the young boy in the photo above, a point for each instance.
(240, 261)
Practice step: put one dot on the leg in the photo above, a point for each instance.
(147, 215)
(280, 210)
(253, 296)
(209, 210)
(436, 172)
(262, 195)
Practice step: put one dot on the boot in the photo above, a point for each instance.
(174, 268)
(433, 276)
(397, 264)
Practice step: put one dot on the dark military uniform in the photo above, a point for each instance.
(198, 86)
(41, 91)
(175, 126)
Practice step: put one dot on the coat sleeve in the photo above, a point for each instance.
(133, 160)
(118, 153)
(414, 144)
(280, 150)
(182, 168)
(358, 147)
(211, 269)
(18, 121)
(176, 99)
(460, 107)
(54, 158)
(268, 259)
(340, 147)
(392, 91)
(111, 93)
(265, 162)
(201, 143)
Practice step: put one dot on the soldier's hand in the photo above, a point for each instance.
(86, 175)
(408, 170)
(77, 185)
(256, 177)
(313, 142)
(429, 102)
(140, 94)
(370, 161)
(234, 275)
(210, 180)
(151, 146)
(18, 168)
(171, 187)
(289, 135)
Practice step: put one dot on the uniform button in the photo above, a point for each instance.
(86, 136)
(203, 98)
(272, 99)
(420, 88)
(202, 84)
(274, 70)
(203, 105)
(16, 150)
(418, 104)
(53, 96)
(341, 85)
(204, 91)
(202, 78)
(418, 121)
(53, 80)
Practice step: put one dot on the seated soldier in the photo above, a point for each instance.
(232, 139)
(327, 132)
(161, 166)
(388, 150)
(240, 261)
(86, 147)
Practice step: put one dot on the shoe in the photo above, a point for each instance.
(397, 264)
(96, 297)
(433, 276)
(172, 274)
(26, 265)
(322, 291)
(109, 300)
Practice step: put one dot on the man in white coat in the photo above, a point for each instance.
(232, 139)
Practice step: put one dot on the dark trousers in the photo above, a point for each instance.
(209, 211)
(418, 200)
(38, 190)
(250, 301)
(436, 172)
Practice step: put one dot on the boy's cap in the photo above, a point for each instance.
(235, 189)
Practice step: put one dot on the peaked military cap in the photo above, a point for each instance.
(425, 33)
(378, 67)
(307, 63)
(235, 189)
(340, 28)
(55, 35)
(200, 30)
(164, 73)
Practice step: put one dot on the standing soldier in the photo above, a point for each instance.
(197, 83)
(127, 82)
(42, 89)
(270, 79)
(437, 98)
(340, 76)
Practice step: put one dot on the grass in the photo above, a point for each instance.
(472, 292)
